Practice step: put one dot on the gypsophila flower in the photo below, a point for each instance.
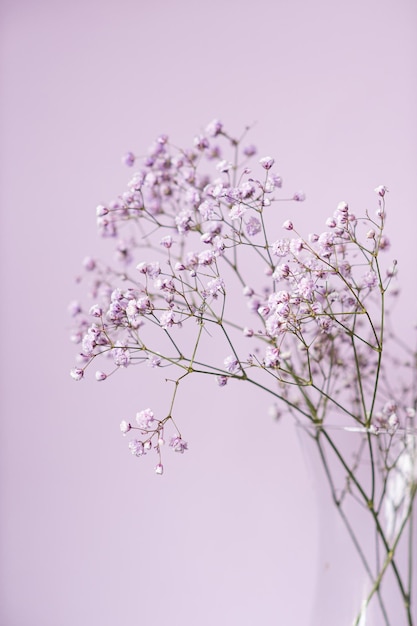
(214, 128)
(381, 190)
(232, 364)
(222, 380)
(137, 448)
(154, 360)
(178, 444)
(77, 373)
(74, 308)
(89, 264)
(370, 280)
(96, 311)
(167, 319)
(288, 225)
(224, 166)
(121, 357)
(125, 427)
(274, 412)
(250, 150)
(101, 211)
(281, 247)
(253, 226)
(145, 419)
(128, 159)
(237, 211)
(267, 162)
(271, 357)
(299, 196)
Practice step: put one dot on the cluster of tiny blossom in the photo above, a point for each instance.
(191, 231)
(213, 276)
(150, 436)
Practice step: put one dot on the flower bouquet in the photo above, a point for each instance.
(209, 279)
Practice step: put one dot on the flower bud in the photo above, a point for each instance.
(77, 373)
(267, 162)
(101, 210)
(381, 190)
(128, 159)
(299, 196)
(288, 225)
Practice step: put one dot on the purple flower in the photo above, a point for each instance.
(299, 196)
(207, 209)
(325, 323)
(121, 357)
(267, 162)
(253, 226)
(281, 247)
(215, 286)
(206, 257)
(250, 150)
(370, 280)
(77, 373)
(96, 311)
(326, 244)
(384, 242)
(128, 159)
(101, 210)
(271, 357)
(178, 444)
(214, 128)
(232, 364)
(222, 380)
(125, 426)
(237, 211)
(154, 360)
(166, 241)
(74, 308)
(224, 166)
(381, 190)
(89, 264)
(167, 319)
(137, 448)
(145, 419)
(201, 142)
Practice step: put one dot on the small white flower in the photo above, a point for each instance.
(267, 162)
(125, 426)
(288, 225)
(77, 373)
(381, 190)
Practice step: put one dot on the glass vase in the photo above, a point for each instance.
(366, 485)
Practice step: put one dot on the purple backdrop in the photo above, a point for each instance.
(89, 535)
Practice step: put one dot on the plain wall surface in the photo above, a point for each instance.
(89, 535)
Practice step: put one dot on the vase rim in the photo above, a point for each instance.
(363, 430)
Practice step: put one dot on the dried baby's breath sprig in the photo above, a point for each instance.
(205, 281)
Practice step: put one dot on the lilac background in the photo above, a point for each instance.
(89, 535)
